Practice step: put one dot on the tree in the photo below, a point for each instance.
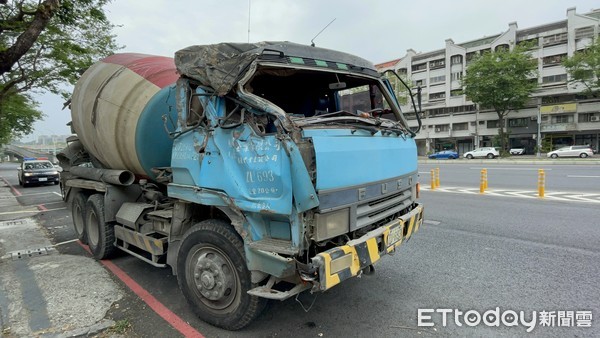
(584, 68)
(45, 45)
(17, 114)
(501, 81)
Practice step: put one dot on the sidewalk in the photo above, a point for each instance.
(522, 159)
(44, 293)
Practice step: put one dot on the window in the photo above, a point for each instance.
(563, 118)
(402, 71)
(554, 78)
(456, 76)
(555, 39)
(553, 60)
(419, 67)
(531, 43)
(440, 63)
(589, 117)
(456, 92)
(437, 79)
(501, 47)
(460, 126)
(420, 82)
(471, 56)
(442, 127)
(584, 32)
(436, 96)
(493, 124)
(520, 122)
(456, 59)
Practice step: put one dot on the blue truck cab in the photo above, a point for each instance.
(286, 141)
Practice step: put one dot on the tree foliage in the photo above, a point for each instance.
(503, 81)
(17, 114)
(584, 68)
(45, 45)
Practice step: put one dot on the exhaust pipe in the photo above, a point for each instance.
(112, 176)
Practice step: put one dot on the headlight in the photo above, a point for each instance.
(332, 224)
(28, 174)
(53, 172)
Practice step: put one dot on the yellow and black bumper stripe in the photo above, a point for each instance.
(152, 245)
(338, 264)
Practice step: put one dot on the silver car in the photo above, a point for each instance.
(572, 151)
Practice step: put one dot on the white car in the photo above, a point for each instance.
(572, 151)
(517, 151)
(489, 152)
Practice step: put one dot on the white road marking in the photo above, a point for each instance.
(28, 211)
(492, 168)
(582, 176)
(56, 193)
(40, 193)
(530, 194)
(428, 221)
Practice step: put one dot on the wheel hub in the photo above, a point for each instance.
(213, 276)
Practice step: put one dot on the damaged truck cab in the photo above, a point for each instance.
(291, 168)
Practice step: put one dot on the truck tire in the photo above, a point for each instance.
(100, 235)
(78, 214)
(213, 276)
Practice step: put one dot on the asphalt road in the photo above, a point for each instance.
(567, 178)
(474, 253)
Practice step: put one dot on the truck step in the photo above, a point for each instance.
(274, 245)
(161, 214)
(153, 245)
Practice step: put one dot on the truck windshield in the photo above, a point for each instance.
(307, 93)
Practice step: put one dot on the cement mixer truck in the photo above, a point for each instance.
(254, 171)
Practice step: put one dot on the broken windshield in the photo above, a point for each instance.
(309, 96)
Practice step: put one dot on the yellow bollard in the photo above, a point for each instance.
(437, 177)
(432, 179)
(541, 183)
(482, 182)
(485, 182)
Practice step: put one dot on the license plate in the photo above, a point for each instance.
(395, 235)
(42, 179)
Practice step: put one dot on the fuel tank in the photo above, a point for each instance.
(117, 111)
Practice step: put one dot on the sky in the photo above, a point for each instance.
(377, 30)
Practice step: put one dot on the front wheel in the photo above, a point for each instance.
(212, 274)
(490, 156)
(470, 157)
(554, 156)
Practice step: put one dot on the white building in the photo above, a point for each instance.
(556, 110)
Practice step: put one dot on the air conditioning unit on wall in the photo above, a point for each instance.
(594, 118)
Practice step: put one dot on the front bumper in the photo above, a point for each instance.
(343, 262)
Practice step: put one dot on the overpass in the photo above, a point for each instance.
(17, 152)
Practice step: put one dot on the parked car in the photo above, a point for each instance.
(444, 154)
(572, 151)
(517, 151)
(489, 152)
(37, 172)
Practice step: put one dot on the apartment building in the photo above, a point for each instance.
(557, 111)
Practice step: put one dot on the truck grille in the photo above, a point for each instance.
(383, 209)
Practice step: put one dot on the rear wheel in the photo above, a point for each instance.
(583, 155)
(554, 156)
(490, 155)
(78, 214)
(212, 274)
(100, 235)
(469, 156)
